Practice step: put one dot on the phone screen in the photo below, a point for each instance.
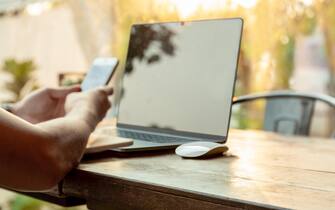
(100, 73)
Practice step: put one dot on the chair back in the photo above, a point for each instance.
(289, 115)
(289, 112)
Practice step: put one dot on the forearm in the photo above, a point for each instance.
(37, 157)
(71, 134)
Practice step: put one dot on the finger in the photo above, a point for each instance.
(108, 90)
(64, 91)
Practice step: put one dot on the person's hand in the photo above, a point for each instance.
(94, 104)
(44, 104)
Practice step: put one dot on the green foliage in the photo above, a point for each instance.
(25, 203)
(21, 73)
(248, 115)
(326, 15)
(21, 202)
(70, 82)
(284, 55)
(306, 23)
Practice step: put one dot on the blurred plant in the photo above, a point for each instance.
(25, 203)
(326, 14)
(21, 72)
(70, 78)
(21, 202)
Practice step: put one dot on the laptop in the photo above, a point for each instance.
(178, 83)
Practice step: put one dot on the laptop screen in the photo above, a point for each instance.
(180, 76)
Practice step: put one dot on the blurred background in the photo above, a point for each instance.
(286, 44)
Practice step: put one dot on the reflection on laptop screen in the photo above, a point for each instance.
(181, 76)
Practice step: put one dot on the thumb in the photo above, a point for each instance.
(108, 90)
(64, 91)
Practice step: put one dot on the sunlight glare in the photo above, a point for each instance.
(265, 61)
(188, 8)
(243, 3)
(37, 8)
(307, 2)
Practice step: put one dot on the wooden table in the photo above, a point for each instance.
(262, 171)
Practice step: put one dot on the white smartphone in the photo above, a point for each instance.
(100, 73)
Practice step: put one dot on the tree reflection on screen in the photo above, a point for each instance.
(142, 37)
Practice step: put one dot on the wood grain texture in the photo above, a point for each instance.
(262, 171)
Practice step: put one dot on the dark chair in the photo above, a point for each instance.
(289, 112)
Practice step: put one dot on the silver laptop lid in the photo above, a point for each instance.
(180, 77)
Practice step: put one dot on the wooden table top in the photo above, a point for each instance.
(262, 169)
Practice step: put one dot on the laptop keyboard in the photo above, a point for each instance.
(152, 137)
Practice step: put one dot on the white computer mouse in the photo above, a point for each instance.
(200, 149)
